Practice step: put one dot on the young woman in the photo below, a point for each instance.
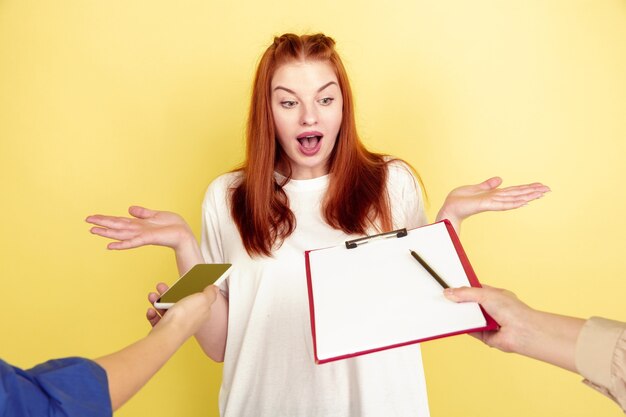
(307, 182)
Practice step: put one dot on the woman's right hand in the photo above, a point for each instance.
(146, 227)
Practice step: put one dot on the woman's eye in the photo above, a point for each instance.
(288, 104)
(326, 101)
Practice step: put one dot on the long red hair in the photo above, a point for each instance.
(356, 198)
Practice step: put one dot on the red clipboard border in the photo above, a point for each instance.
(469, 271)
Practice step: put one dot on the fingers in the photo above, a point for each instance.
(515, 197)
(509, 205)
(528, 196)
(153, 317)
(108, 221)
(535, 189)
(490, 295)
(524, 189)
(536, 185)
(129, 232)
(131, 243)
(162, 287)
(495, 205)
(141, 212)
(118, 228)
(482, 336)
(464, 294)
(118, 234)
(152, 298)
(127, 239)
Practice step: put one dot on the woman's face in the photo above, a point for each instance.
(307, 107)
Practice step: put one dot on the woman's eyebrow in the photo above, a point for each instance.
(326, 86)
(286, 89)
(280, 87)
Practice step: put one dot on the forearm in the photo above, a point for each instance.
(550, 338)
(213, 333)
(129, 369)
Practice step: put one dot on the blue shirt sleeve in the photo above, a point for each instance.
(69, 387)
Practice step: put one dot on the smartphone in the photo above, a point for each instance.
(195, 280)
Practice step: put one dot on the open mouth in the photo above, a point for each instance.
(309, 141)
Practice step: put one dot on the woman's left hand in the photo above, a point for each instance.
(468, 200)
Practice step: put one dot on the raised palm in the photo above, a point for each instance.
(468, 200)
(146, 227)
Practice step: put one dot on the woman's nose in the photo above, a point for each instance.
(308, 116)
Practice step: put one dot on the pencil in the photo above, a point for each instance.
(431, 271)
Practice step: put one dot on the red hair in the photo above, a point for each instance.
(356, 198)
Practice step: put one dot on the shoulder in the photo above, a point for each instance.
(226, 181)
(400, 174)
(397, 165)
(220, 187)
(405, 194)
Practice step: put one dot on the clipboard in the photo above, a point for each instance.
(371, 294)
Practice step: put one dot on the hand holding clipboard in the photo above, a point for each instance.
(350, 318)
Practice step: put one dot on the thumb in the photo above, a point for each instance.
(211, 292)
(464, 294)
(490, 184)
(141, 212)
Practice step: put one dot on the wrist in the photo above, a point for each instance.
(173, 327)
(186, 240)
(454, 221)
(446, 213)
(527, 329)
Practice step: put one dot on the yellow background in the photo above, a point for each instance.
(111, 103)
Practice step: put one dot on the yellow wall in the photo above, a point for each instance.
(111, 103)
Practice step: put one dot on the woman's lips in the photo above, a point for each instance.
(310, 142)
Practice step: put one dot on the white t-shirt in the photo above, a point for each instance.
(269, 368)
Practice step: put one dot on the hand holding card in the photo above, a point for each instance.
(195, 280)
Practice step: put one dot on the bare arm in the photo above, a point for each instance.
(544, 336)
(211, 334)
(129, 369)
(163, 228)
